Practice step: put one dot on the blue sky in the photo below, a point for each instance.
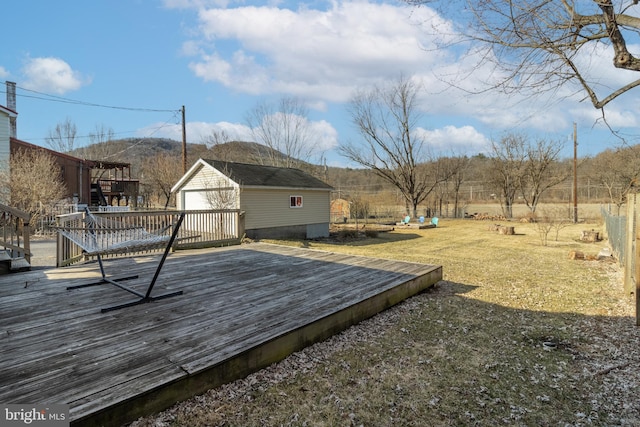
(220, 58)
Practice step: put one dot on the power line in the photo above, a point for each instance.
(141, 140)
(55, 98)
(124, 132)
(171, 121)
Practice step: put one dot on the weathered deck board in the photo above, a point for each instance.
(243, 308)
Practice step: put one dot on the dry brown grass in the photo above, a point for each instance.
(468, 352)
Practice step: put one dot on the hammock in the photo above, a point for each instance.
(103, 236)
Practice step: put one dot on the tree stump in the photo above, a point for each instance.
(508, 231)
(590, 236)
(576, 255)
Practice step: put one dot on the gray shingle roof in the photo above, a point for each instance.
(267, 176)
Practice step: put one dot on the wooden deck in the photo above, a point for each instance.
(243, 308)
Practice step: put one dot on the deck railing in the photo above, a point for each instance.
(15, 231)
(200, 229)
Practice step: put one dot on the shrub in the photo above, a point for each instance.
(371, 233)
(348, 234)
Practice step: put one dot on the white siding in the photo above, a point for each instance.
(4, 139)
(207, 178)
(270, 208)
(193, 195)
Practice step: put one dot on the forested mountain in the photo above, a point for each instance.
(137, 151)
(134, 151)
(129, 150)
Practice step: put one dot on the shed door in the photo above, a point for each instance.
(196, 200)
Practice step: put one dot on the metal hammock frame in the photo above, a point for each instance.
(103, 236)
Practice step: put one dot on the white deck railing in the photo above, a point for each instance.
(200, 229)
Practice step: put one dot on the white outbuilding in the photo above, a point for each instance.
(277, 202)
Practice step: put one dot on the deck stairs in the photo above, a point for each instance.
(15, 253)
(97, 196)
(9, 264)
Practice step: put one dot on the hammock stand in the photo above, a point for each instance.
(103, 236)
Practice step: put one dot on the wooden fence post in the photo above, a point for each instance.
(630, 244)
(26, 228)
(637, 254)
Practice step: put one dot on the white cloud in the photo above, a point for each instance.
(241, 72)
(617, 118)
(52, 75)
(3, 73)
(325, 55)
(235, 131)
(200, 131)
(455, 140)
(191, 48)
(320, 54)
(326, 134)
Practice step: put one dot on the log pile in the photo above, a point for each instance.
(603, 255)
(486, 216)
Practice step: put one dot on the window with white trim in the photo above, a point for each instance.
(295, 201)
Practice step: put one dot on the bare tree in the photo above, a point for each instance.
(221, 193)
(525, 168)
(561, 218)
(543, 224)
(222, 197)
(5, 181)
(160, 173)
(100, 147)
(543, 44)
(32, 181)
(285, 130)
(387, 118)
(508, 165)
(618, 171)
(218, 146)
(101, 135)
(62, 138)
(217, 137)
(542, 171)
(453, 169)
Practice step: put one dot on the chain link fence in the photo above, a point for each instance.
(622, 234)
(616, 229)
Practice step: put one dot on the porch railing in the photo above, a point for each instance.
(15, 229)
(200, 229)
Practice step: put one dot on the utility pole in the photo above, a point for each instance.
(575, 174)
(184, 143)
